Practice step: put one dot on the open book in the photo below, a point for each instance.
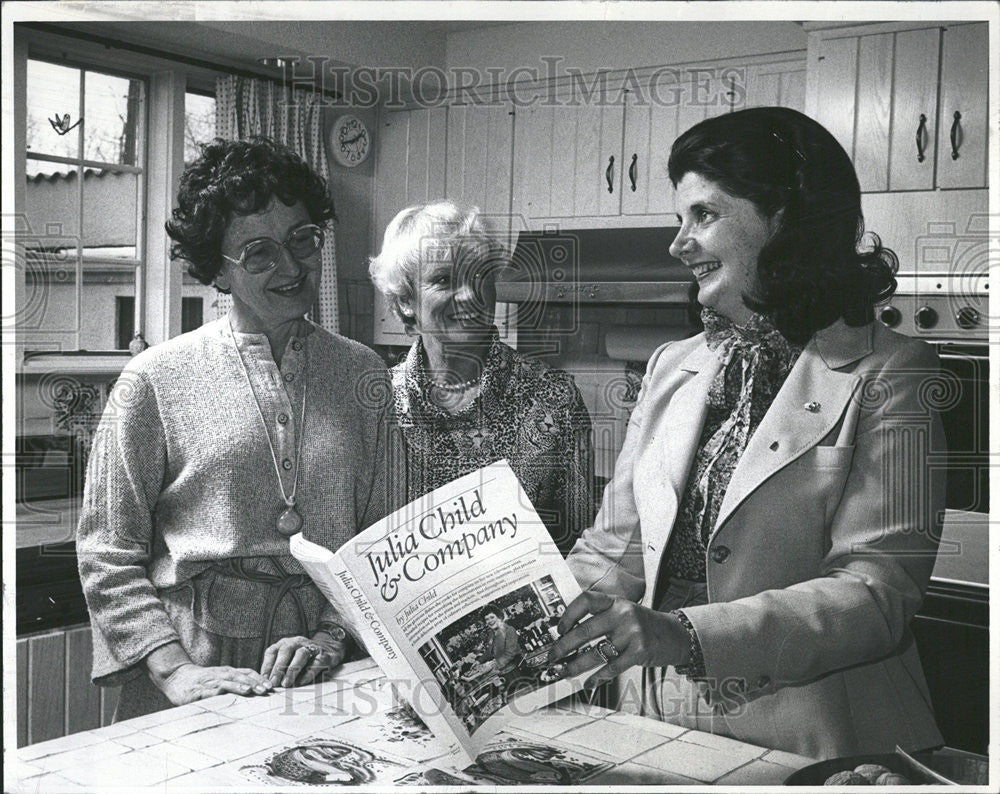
(456, 596)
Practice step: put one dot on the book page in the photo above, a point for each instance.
(458, 594)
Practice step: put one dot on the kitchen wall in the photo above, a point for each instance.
(353, 190)
(590, 46)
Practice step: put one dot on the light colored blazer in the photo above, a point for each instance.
(822, 551)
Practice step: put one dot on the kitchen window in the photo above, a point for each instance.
(84, 196)
(100, 139)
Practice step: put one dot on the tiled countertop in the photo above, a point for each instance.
(354, 728)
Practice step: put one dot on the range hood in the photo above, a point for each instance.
(596, 266)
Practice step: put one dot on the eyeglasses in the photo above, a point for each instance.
(259, 256)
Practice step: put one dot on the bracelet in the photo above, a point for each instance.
(695, 668)
(335, 631)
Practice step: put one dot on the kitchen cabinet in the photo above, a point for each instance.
(462, 152)
(961, 156)
(410, 169)
(478, 159)
(908, 103)
(568, 160)
(651, 127)
(601, 160)
(589, 158)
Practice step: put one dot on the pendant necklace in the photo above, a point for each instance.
(290, 520)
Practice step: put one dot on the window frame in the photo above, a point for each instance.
(159, 280)
(81, 164)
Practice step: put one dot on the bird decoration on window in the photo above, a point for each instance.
(62, 125)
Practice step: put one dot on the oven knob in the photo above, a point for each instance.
(890, 316)
(967, 317)
(926, 317)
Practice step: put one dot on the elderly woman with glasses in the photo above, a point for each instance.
(463, 397)
(219, 444)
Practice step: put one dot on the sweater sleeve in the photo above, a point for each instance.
(116, 537)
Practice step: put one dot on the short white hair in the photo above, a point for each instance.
(437, 228)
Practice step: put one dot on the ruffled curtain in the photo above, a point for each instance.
(245, 107)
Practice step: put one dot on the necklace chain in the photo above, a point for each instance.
(289, 499)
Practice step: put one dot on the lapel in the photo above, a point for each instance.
(677, 434)
(813, 379)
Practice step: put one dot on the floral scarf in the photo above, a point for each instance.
(756, 359)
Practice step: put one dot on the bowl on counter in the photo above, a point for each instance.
(816, 774)
(957, 766)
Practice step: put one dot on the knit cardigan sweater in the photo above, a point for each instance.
(181, 475)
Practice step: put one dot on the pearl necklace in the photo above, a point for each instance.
(290, 520)
(453, 387)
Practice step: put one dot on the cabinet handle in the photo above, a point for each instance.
(632, 169)
(921, 132)
(956, 130)
(610, 174)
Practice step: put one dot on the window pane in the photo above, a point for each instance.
(124, 321)
(199, 124)
(104, 283)
(48, 318)
(196, 296)
(112, 109)
(52, 199)
(192, 314)
(109, 213)
(53, 93)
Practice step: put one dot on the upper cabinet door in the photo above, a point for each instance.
(914, 110)
(410, 170)
(873, 112)
(962, 126)
(480, 147)
(568, 160)
(650, 131)
(411, 162)
(782, 84)
(833, 76)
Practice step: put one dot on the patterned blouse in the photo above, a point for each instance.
(526, 412)
(756, 361)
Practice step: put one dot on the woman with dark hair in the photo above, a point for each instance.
(773, 519)
(219, 444)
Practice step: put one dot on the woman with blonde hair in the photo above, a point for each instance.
(463, 397)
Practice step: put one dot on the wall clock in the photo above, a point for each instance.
(350, 141)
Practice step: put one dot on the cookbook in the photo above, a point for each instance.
(456, 596)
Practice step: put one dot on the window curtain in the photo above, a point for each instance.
(245, 107)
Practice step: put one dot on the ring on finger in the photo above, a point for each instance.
(606, 648)
(600, 652)
(311, 648)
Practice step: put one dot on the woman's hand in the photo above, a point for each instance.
(191, 682)
(638, 636)
(294, 661)
(183, 681)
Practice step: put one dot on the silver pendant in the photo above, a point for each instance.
(289, 522)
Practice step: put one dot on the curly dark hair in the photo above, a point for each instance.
(815, 269)
(238, 177)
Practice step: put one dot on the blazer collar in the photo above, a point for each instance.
(700, 358)
(840, 344)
